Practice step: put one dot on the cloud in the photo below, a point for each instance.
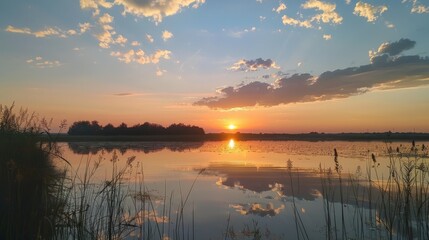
(149, 38)
(49, 31)
(369, 11)
(417, 7)
(140, 56)
(327, 36)
(262, 18)
(328, 15)
(105, 19)
(135, 43)
(39, 62)
(94, 5)
(348, 1)
(386, 71)
(166, 35)
(389, 24)
(280, 8)
(294, 22)
(253, 65)
(156, 9)
(394, 48)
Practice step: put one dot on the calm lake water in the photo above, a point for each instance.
(240, 186)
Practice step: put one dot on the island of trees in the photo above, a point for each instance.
(94, 128)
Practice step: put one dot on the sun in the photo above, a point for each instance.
(232, 127)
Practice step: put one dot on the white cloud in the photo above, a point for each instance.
(48, 31)
(160, 72)
(39, 62)
(417, 7)
(84, 27)
(348, 1)
(121, 40)
(105, 19)
(389, 24)
(149, 38)
(253, 65)
(156, 9)
(94, 5)
(135, 43)
(262, 18)
(294, 22)
(327, 36)
(328, 15)
(141, 57)
(166, 35)
(280, 8)
(368, 11)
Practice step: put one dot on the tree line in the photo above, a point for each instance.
(94, 128)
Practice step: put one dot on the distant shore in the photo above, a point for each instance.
(246, 137)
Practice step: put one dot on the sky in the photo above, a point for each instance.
(261, 65)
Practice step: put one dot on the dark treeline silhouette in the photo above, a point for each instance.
(94, 128)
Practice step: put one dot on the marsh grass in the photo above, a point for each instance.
(38, 201)
(395, 206)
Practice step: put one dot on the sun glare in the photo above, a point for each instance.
(232, 127)
(231, 144)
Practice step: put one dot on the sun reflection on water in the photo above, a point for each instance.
(231, 144)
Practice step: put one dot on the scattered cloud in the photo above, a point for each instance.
(50, 31)
(166, 35)
(386, 71)
(417, 7)
(126, 94)
(140, 56)
(253, 65)
(149, 38)
(39, 62)
(160, 72)
(389, 24)
(280, 8)
(327, 36)
(295, 22)
(239, 34)
(155, 9)
(95, 5)
(368, 11)
(328, 15)
(348, 2)
(135, 43)
(262, 18)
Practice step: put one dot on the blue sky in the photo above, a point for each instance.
(205, 62)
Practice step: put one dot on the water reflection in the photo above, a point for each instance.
(231, 144)
(146, 147)
(258, 209)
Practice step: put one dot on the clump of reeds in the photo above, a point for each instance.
(387, 207)
(28, 181)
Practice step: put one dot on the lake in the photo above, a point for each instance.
(251, 189)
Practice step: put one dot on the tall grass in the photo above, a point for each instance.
(395, 206)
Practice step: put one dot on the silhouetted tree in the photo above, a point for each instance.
(94, 128)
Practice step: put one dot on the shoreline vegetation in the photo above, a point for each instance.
(40, 201)
(93, 131)
(382, 136)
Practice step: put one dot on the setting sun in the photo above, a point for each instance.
(232, 127)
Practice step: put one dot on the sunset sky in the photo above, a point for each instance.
(261, 65)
